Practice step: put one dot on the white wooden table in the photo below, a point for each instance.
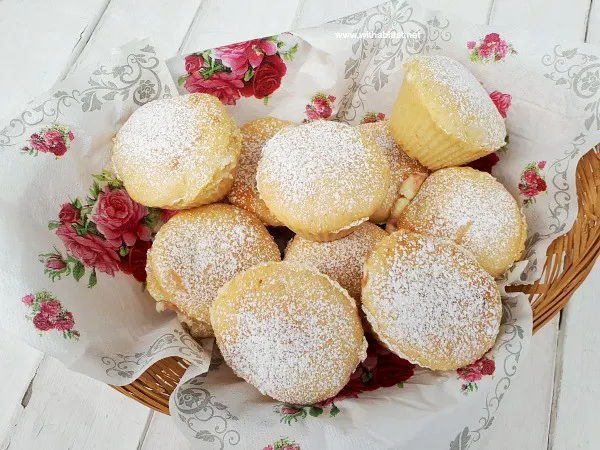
(553, 403)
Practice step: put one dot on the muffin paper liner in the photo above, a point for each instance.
(72, 269)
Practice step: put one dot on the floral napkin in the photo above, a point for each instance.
(72, 261)
(350, 70)
(74, 256)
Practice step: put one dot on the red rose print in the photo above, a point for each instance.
(28, 299)
(89, 249)
(135, 261)
(485, 163)
(65, 323)
(320, 107)
(55, 142)
(41, 322)
(469, 375)
(48, 314)
(267, 77)
(490, 49)
(541, 164)
(380, 369)
(119, 218)
(50, 308)
(68, 213)
(488, 366)
(55, 262)
(530, 176)
(223, 85)
(502, 102)
(193, 63)
(166, 214)
(372, 117)
(289, 410)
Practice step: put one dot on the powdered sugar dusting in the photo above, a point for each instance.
(322, 167)
(254, 136)
(401, 165)
(461, 98)
(431, 301)
(342, 259)
(198, 251)
(174, 136)
(293, 333)
(472, 209)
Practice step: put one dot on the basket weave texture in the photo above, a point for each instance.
(570, 258)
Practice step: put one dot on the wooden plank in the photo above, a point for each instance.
(593, 26)
(523, 420)
(577, 392)
(65, 409)
(472, 11)
(69, 410)
(38, 37)
(18, 367)
(221, 22)
(162, 433)
(562, 20)
(165, 23)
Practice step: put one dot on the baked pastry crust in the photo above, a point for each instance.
(290, 331)
(443, 117)
(322, 179)
(178, 153)
(244, 193)
(428, 301)
(406, 174)
(342, 260)
(198, 251)
(475, 211)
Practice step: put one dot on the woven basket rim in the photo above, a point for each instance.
(570, 258)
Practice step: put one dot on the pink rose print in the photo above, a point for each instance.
(223, 85)
(47, 314)
(68, 213)
(502, 102)
(491, 48)
(320, 107)
(28, 299)
(238, 56)
(90, 249)
(372, 117)
(56, 140)
(380, 369)
(283, 444)
(108, 232)
(119, 218)
(253, 68)
(475, 372)
(532, 182)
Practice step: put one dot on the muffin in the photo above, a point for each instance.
(342, 260)
(243, 192)
(443, 117)
(475, 211)
(322, 179)
(178, 153)
(429, 301)
(198, 251)
(406, 174)
(288, 330)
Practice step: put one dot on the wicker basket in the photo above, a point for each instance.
(570, 259)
